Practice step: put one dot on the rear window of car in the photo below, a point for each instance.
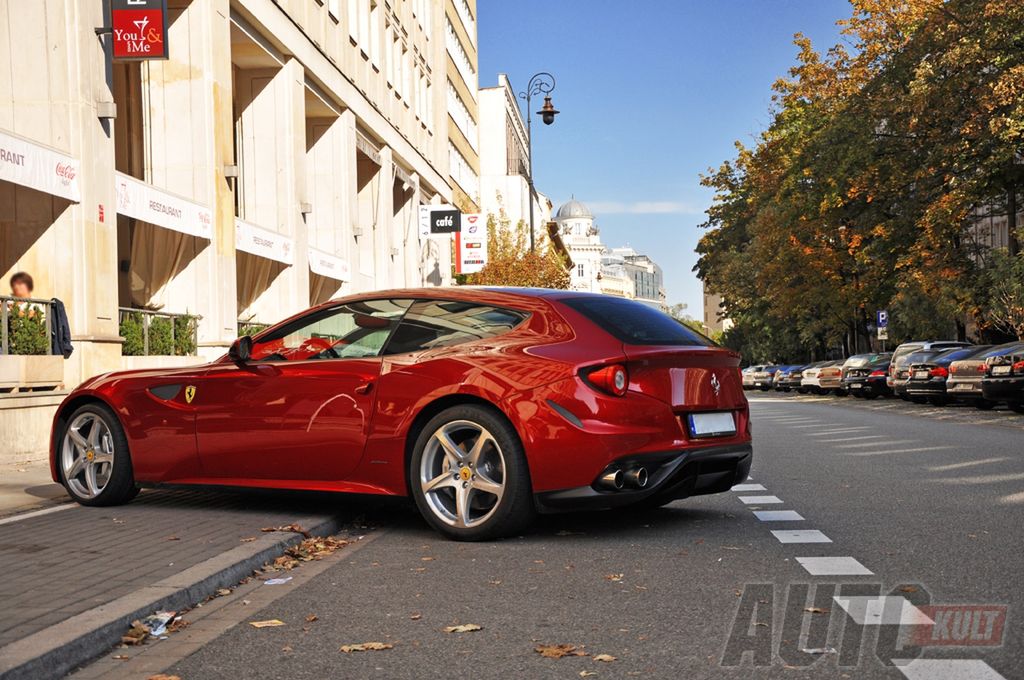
(431, 324)
(635, 323)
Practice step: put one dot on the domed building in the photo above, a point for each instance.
(582, 239)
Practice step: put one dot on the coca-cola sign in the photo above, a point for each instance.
(139, 29)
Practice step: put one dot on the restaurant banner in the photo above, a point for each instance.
(145, 202)
(265, 243)
(38, 167)
(328, 265)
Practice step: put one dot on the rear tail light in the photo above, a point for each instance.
(610, 379)
(938, 372)
(1018, 367)
(982, 368)
(877, 374)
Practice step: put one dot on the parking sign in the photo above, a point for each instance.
(882, 316)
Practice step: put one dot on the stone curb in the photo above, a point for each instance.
(56, 651)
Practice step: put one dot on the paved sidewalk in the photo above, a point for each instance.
(27, 486)
(86, 564)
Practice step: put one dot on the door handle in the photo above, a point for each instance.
(365, 389)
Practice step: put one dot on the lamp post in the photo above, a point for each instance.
(541, 83)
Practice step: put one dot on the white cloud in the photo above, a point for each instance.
(643, 208)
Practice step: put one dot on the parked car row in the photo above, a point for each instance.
(938, 372)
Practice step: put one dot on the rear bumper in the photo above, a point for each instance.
(673, 474)
(927, 388)
(1003, 389)
(864, 385)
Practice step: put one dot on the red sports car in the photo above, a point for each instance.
(486, 405)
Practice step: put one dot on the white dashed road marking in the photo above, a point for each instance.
(778, 515)
(946, 669)
(800, 536)
(748, 487)
(833, 566)
(760, 500)
(888, 451)
(885, 610)
(861, 445)
(853, 439)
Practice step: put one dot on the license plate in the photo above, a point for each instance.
(856, 386)
(718, 424)
(919, 375)
(962, 387)
(1001, 370)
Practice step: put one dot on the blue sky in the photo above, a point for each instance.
(652, 93)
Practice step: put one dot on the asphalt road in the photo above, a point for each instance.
(923, 510)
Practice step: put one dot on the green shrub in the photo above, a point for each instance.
(185, 335)
(160, 341)
(130, 329)
(251, 328)
(26, 328)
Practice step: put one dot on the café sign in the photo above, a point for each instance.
(139, 29)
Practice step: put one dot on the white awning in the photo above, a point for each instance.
(328, 265)
(145, 202)
(265, 243)
(38, 167)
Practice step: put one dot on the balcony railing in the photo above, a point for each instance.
(251, 327)
(147, 333)
(25, 326)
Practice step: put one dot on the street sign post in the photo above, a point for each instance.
(471, 245)
(883, 333)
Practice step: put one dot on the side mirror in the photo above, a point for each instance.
(240, 350)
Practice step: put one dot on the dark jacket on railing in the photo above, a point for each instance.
(60, 330)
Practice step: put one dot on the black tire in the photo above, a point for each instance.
(870, 395)
(1016, 406)
(514, 511)
(938, 401)
(918, 400)
(984, 404)
(121, 487)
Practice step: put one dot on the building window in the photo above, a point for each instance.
(460, 114)
(462, 172)
(579, 270)
(462, 7)
(459, 56)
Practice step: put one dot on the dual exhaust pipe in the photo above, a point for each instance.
(618, 479)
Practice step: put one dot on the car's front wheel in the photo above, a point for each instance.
(95, 466)
(468, 475)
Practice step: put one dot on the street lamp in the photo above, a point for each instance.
(541, 83)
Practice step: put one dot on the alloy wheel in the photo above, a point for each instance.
(462, 474)
(87, 455)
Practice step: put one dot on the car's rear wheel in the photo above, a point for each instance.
(984, 404)
(468, 475)
(93, 459)
(1017, 407)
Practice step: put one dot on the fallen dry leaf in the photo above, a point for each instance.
(558, 651)
(269, 623)
(415, 617)
(464, 628)
(366, 647)
(311, 618)
(587, 674)
(136, 635)
(293, 527)
(426, 559)
(908, 589)
(172, 538)
(287, 649)
(816, 610)
(161, 676)
(606, 658)
(614, 577)
(223, 591)
(248, 539)
(120, 657)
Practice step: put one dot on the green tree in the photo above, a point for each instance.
(511, 263)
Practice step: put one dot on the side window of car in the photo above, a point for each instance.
(355, 329)
(431, 324)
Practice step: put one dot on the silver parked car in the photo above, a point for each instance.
(964, 382)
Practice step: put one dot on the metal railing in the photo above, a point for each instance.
(25, 326)
(251, 327)
(148, 333)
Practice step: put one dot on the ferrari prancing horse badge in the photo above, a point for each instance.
(190, 393)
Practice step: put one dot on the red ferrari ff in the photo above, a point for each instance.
(486, 405)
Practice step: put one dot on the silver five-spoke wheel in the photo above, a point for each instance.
(462, 474)
(87, 455)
